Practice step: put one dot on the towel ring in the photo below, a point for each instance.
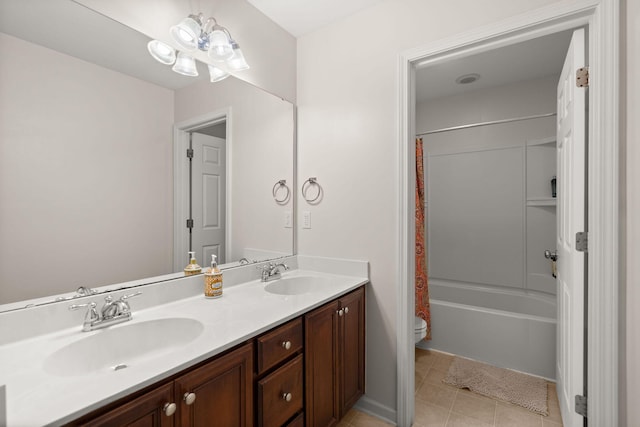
(276, 187)
(305, 188)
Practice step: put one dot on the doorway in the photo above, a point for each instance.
(600, 18)
(202, 196)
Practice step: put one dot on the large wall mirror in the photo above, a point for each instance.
(94, 184)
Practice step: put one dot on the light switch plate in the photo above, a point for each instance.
(287, 219)
(306, 219)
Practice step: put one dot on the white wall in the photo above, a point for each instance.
(269, 50)
(88, 149)
(260, 141)
(631, 375)
(348, 138)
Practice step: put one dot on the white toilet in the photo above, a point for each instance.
(420, 330)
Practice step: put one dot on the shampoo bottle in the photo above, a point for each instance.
(193, 267)
(213, 280)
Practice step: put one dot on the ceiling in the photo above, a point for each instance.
(52, 27)
(300, 17)
(528, 60)
(532, 59)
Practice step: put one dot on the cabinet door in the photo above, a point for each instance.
(223, 392)
(351, 360)
(144, 411)
(321, 353)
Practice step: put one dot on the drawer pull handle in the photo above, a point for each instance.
(346, 310)
(169, 409)
(286, 345)
(287, 397)
(189, 398)
(340, 312)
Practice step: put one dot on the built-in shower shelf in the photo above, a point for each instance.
(542, 201)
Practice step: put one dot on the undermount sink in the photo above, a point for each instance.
(295, 285)
(122, 346)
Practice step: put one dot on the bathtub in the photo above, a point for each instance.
(504, 328)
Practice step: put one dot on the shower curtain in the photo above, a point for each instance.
(422, 287)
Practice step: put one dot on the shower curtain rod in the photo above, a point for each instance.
(494, 122)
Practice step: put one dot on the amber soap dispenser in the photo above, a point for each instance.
(192, 268)
(213, 280)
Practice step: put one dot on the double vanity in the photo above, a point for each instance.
(289, 351)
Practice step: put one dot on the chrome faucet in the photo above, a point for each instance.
(271, 271)
(111, 313)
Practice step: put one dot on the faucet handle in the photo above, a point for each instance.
(92, 312)
(77, 306)
(124, 304)
(126, 297)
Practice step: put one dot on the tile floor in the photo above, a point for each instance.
(439, 404)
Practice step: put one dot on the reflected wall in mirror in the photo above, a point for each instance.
(87, 164)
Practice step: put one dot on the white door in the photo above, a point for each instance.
(208, 193)
(571, 219)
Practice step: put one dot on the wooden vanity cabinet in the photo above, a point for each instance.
(222, 392)
(147, 410)
(334, 359)
(309, 371)
(218, 393)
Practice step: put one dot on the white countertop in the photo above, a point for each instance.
(35, 397)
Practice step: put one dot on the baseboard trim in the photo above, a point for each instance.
(376, 409)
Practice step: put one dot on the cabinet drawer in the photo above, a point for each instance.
(273, 391)
(297, 421)
(279, 344)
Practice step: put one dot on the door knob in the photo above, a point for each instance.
(552, 255)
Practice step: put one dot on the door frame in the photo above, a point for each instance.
(181, 181)
(601, 18)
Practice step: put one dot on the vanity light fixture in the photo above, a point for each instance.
(194, 33)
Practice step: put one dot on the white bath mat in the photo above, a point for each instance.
(503, 384)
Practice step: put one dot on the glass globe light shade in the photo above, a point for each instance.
(216, 74)
(237, 61)
(186, 33)
(185, 65)
(219, 46)
(162, 52)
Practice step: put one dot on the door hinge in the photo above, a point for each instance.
(189, 223)
(190, 153)
(581, 405)
(582, 77)
(582, 241)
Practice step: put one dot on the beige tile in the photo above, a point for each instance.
(435, 376)
(418, 382)
(436, 394)
(349, 416)
(365, 420)
(459, 420)
(547, 423)
(554, 405)
(480, 409)
(514, 416)
(429, 415)
(441, 365)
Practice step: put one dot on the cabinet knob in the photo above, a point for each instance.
(346, 310)
(287, 397)
(169, 409)
(189, 398)
(286, 345)
(340, 312)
